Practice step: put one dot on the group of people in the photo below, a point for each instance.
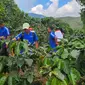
(55, 36)
(30, 35)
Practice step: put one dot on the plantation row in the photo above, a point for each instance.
(42, 66)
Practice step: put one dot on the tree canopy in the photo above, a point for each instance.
(82, 3)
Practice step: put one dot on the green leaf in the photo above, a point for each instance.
(65, 83)
(46, 61)
(74, 76)
(55, 60)
(75, 53)
(30, 78)
(14, 75)
(54, 81)
(29, 62)
(9, 62)
(12, 44)
(65, 66)
(58, 74)
(3, 80)
(20, 62)
(60, 51)
(10, 80)
(25, 46)
(65, 54)
(77, 44)
(1, 67)
(47, 83)
(17, 49)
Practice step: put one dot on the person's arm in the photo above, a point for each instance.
(14, 39)
(2, 37)
(54, 37)
(36, 44)
(36, 40)
(7, 34)
(8, 37)
(56, 40)
(17, 37)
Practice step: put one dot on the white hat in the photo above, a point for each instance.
(26, 25)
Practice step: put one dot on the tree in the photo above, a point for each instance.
(82, 3)
(12, 16)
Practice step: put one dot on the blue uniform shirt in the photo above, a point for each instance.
(4, 31)
(52, 40)
(31, 37)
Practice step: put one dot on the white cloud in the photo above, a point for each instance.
(49, 11)
(37, 9)
(52, 8)
(70, 9)
(25, 5)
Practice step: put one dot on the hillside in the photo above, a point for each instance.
(36, 15)
(74, 22)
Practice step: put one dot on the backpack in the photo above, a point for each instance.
(58, 35)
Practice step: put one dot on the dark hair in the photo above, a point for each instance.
(1, 22)
(57, 28)
(51, 27)
(62, 30)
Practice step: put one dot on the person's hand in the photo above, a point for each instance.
(57, 43)
(36, 44)
(14, 39)
(2, 37)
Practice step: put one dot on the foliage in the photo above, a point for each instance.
(64, 66)
(82, 3)
(18, 65)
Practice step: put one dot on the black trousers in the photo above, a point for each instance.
(3, 50)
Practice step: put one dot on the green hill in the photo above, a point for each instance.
(74, 22)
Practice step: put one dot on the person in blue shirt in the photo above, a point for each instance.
(4, 31)
(31, 37)
(52, 41)
(4, 34)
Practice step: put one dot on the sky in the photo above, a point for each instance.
(50, 8)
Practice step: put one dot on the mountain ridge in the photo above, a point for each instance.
(74, 22)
